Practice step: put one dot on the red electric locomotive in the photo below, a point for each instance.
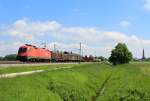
(32, 53)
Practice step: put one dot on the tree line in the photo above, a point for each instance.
(9, 57)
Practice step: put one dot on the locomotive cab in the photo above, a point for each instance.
(22, 50)
(22, 54)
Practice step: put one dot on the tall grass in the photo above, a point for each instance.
(128, 83)
(76, 84)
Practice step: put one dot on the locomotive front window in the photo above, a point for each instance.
(22, 50)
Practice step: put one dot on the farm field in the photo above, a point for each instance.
(82, 82)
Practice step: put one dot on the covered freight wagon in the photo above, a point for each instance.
(65, 57)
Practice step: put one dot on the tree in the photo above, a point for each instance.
(120, 55)
(10, 57)
(1, 58)
(102, 58)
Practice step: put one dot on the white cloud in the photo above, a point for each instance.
(86, 50)
(124, 23)
(67, 38)
(147, 5)
(7, 48)
(24, 29)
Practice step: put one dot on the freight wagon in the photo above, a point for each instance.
(65, 57)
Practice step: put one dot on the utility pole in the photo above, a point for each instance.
(44, 44)
(54, 47)
(80, 54)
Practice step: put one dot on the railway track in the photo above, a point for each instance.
(17, 63)
(11, 62)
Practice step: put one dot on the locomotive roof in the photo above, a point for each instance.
(29, 45)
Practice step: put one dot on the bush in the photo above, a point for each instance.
(102, 58)
(120, 55)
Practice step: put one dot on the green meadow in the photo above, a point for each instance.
(4, 70)
(82, 82)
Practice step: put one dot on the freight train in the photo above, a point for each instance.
(32, 53)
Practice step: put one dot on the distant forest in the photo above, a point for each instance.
(9, 57)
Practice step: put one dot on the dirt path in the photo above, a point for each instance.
(102, 88)
(11, 75)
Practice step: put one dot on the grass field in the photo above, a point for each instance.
(84, 82)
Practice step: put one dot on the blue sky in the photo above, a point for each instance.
(100, 13)
(128, 17)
